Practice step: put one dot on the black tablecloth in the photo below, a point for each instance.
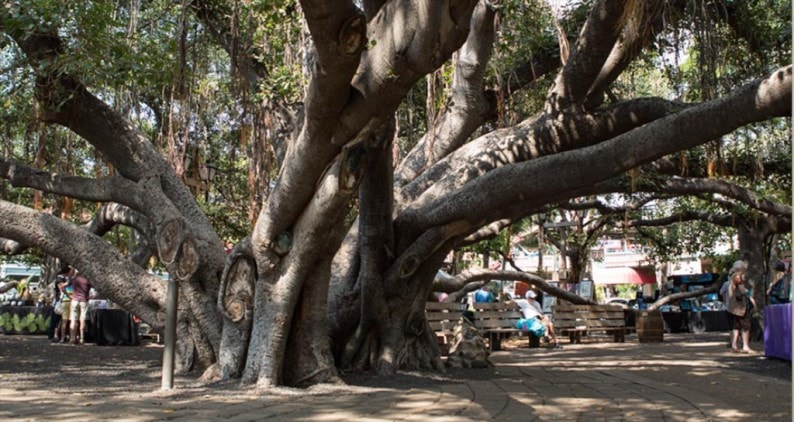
(25, 319)
(114, 327)
(676, 322)
(716, 320)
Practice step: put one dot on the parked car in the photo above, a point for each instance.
(623, 303)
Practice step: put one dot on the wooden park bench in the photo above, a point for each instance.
(574, 320)
(497, 321)
(442, 317)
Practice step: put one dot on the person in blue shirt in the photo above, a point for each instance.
(483, 295)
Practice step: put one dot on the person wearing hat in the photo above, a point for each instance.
(739, 302)
(530, 308)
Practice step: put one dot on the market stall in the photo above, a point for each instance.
(25, 319)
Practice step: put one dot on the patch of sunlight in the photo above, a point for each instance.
(728, 414)
(703, 373)
(703, 344)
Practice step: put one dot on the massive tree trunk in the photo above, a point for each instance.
(753, 237)
(293, 246)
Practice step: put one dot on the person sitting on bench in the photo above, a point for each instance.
(530, 308)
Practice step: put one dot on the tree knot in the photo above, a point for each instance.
(353, 36)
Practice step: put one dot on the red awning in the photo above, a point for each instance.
(625, 275)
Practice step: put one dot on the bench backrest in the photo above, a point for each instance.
(489, 315)
(588, 316)
(443, 316)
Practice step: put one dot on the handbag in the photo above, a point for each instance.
(58, 308)
(532, 325)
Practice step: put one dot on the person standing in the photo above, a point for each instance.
(66, 298)
(81, 289)
(740, 302)
(779, 292)
(57, 295)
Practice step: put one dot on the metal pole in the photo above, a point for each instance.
(170, 335)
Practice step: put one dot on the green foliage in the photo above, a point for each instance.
(643, 79)
(719, 48)
(526, 27)
(722, 263)
(764, 25)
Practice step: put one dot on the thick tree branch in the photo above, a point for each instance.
(387, 71)
(595, 42)
(533, 138)
(68, 102)
(141, 293)
(562, 172)
(113, 214)
(488, 232)
(695, 186)
(610, 209)
(195, 256)
(685, 295)
(468, 107)
(390, 68)
(108, 189)
(646, 21)
(469, 278)
(724, 220)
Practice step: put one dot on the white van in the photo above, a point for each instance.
(21, 271)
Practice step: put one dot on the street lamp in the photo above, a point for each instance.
(207, 174)
(186, 163)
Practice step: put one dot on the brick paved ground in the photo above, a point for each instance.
(688, 377)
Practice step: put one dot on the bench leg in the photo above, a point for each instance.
(495, 342)
(534, 341)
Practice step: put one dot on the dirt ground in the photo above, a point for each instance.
(39, 379)
(35, 362)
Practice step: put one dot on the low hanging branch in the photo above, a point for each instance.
(473, 279)
(685, 295)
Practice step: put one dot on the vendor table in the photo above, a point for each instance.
(676, 322)
(777, 331)
(716, 320)
(25, 319)
(114, 327)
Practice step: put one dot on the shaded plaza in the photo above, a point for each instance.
(688, 377)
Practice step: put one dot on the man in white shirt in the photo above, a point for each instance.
(531, 309)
